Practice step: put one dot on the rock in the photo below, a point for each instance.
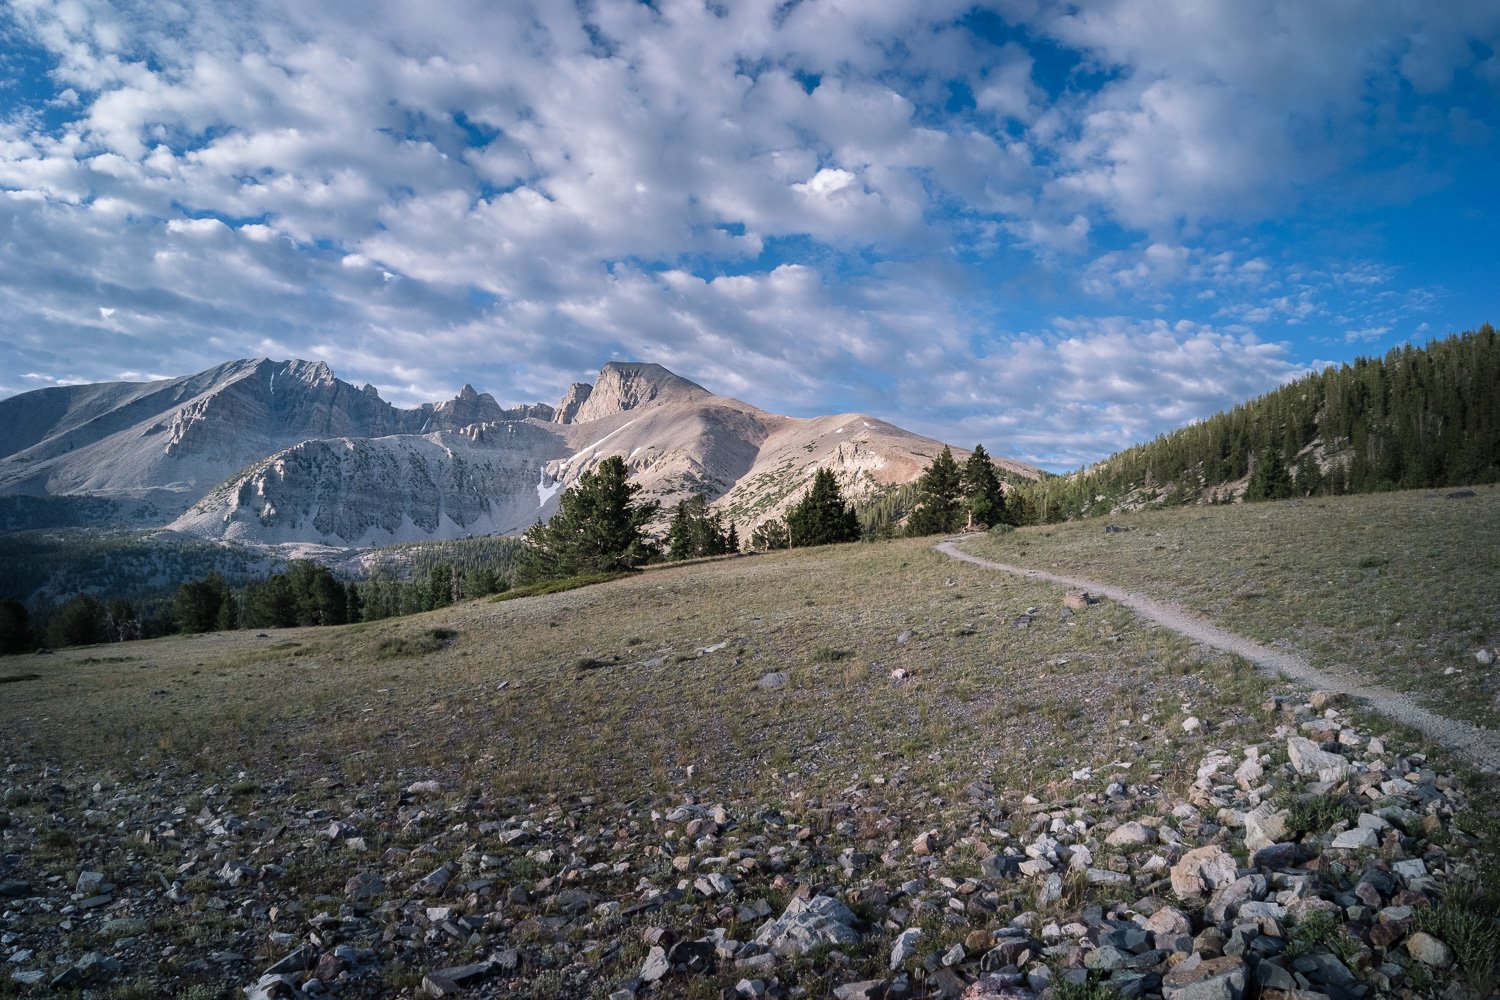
(807, 923)
(1275, 856)
(656, 966)
(1319, 700)
(714, 885)
(363, 887)
(1192, 724)
(1078, 599)
(907, 636)
(275, 987)
(1360, 838)
(1211, 979)
(869, 989)
(433, 882)
(1485, 657)
(996, 987)
(905, 947)
(774, 681)
(89, 883)
(1428, 950)
(925, 843)
(301, 959)
(423, 788)
(1264, 826)
(1132, 833)
(1309, 759)
(1228, 899)
(14, 889)
(1201, 871)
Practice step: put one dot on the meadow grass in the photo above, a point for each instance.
(1398, 588)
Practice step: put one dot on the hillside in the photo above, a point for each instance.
(1417, 418)
(971, 786)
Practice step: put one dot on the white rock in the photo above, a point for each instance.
(1357, 839)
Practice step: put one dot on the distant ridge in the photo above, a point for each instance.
(284, 452)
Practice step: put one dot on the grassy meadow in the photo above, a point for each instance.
(1398, 588)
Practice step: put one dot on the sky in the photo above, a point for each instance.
(1057, 229)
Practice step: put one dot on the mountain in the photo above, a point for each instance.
(284, 452)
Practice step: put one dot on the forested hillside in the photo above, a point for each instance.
(1417, 418)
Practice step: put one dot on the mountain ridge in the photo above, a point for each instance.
(278, 452)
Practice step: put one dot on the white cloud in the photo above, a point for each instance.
(796, 203)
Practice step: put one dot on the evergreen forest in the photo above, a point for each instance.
(1418, 418)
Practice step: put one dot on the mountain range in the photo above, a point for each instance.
(276, 452)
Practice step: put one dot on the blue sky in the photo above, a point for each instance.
(1057, 229)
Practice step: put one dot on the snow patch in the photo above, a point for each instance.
(544, 490)
(591, 449)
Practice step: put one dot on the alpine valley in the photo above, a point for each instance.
(268, 452)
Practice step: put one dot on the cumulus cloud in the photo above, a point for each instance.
(817, 206)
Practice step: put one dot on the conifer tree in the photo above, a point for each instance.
(1270, 481)
(769, 535)
(984, 499)
(695, 530)
(821, 517)
(939, 495)
(599, 528)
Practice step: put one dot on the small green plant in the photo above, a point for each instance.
(1321, 930)
(430, 640)
(1471, 932)
(17, 678)
(1091, 988)
(828, 654)
(1316, 813)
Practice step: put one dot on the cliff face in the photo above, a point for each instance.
(486, 479)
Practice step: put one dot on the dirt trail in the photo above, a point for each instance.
(1480, 747)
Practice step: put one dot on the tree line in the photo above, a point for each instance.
(1418, 418)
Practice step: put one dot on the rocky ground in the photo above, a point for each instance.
(1300, 857)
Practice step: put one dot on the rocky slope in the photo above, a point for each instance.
(1309, 860)
(284, 452)
(160, 445)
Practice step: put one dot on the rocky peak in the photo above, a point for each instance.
(572, 402)
(624, 385)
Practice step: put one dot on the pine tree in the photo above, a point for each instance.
(80, 622)
(15, 627)
(769, 535)
(821, 517)
(984, 499)
(695, 530)
(732, 542)
(599, 528)
(1271, 481)
(939, 491)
